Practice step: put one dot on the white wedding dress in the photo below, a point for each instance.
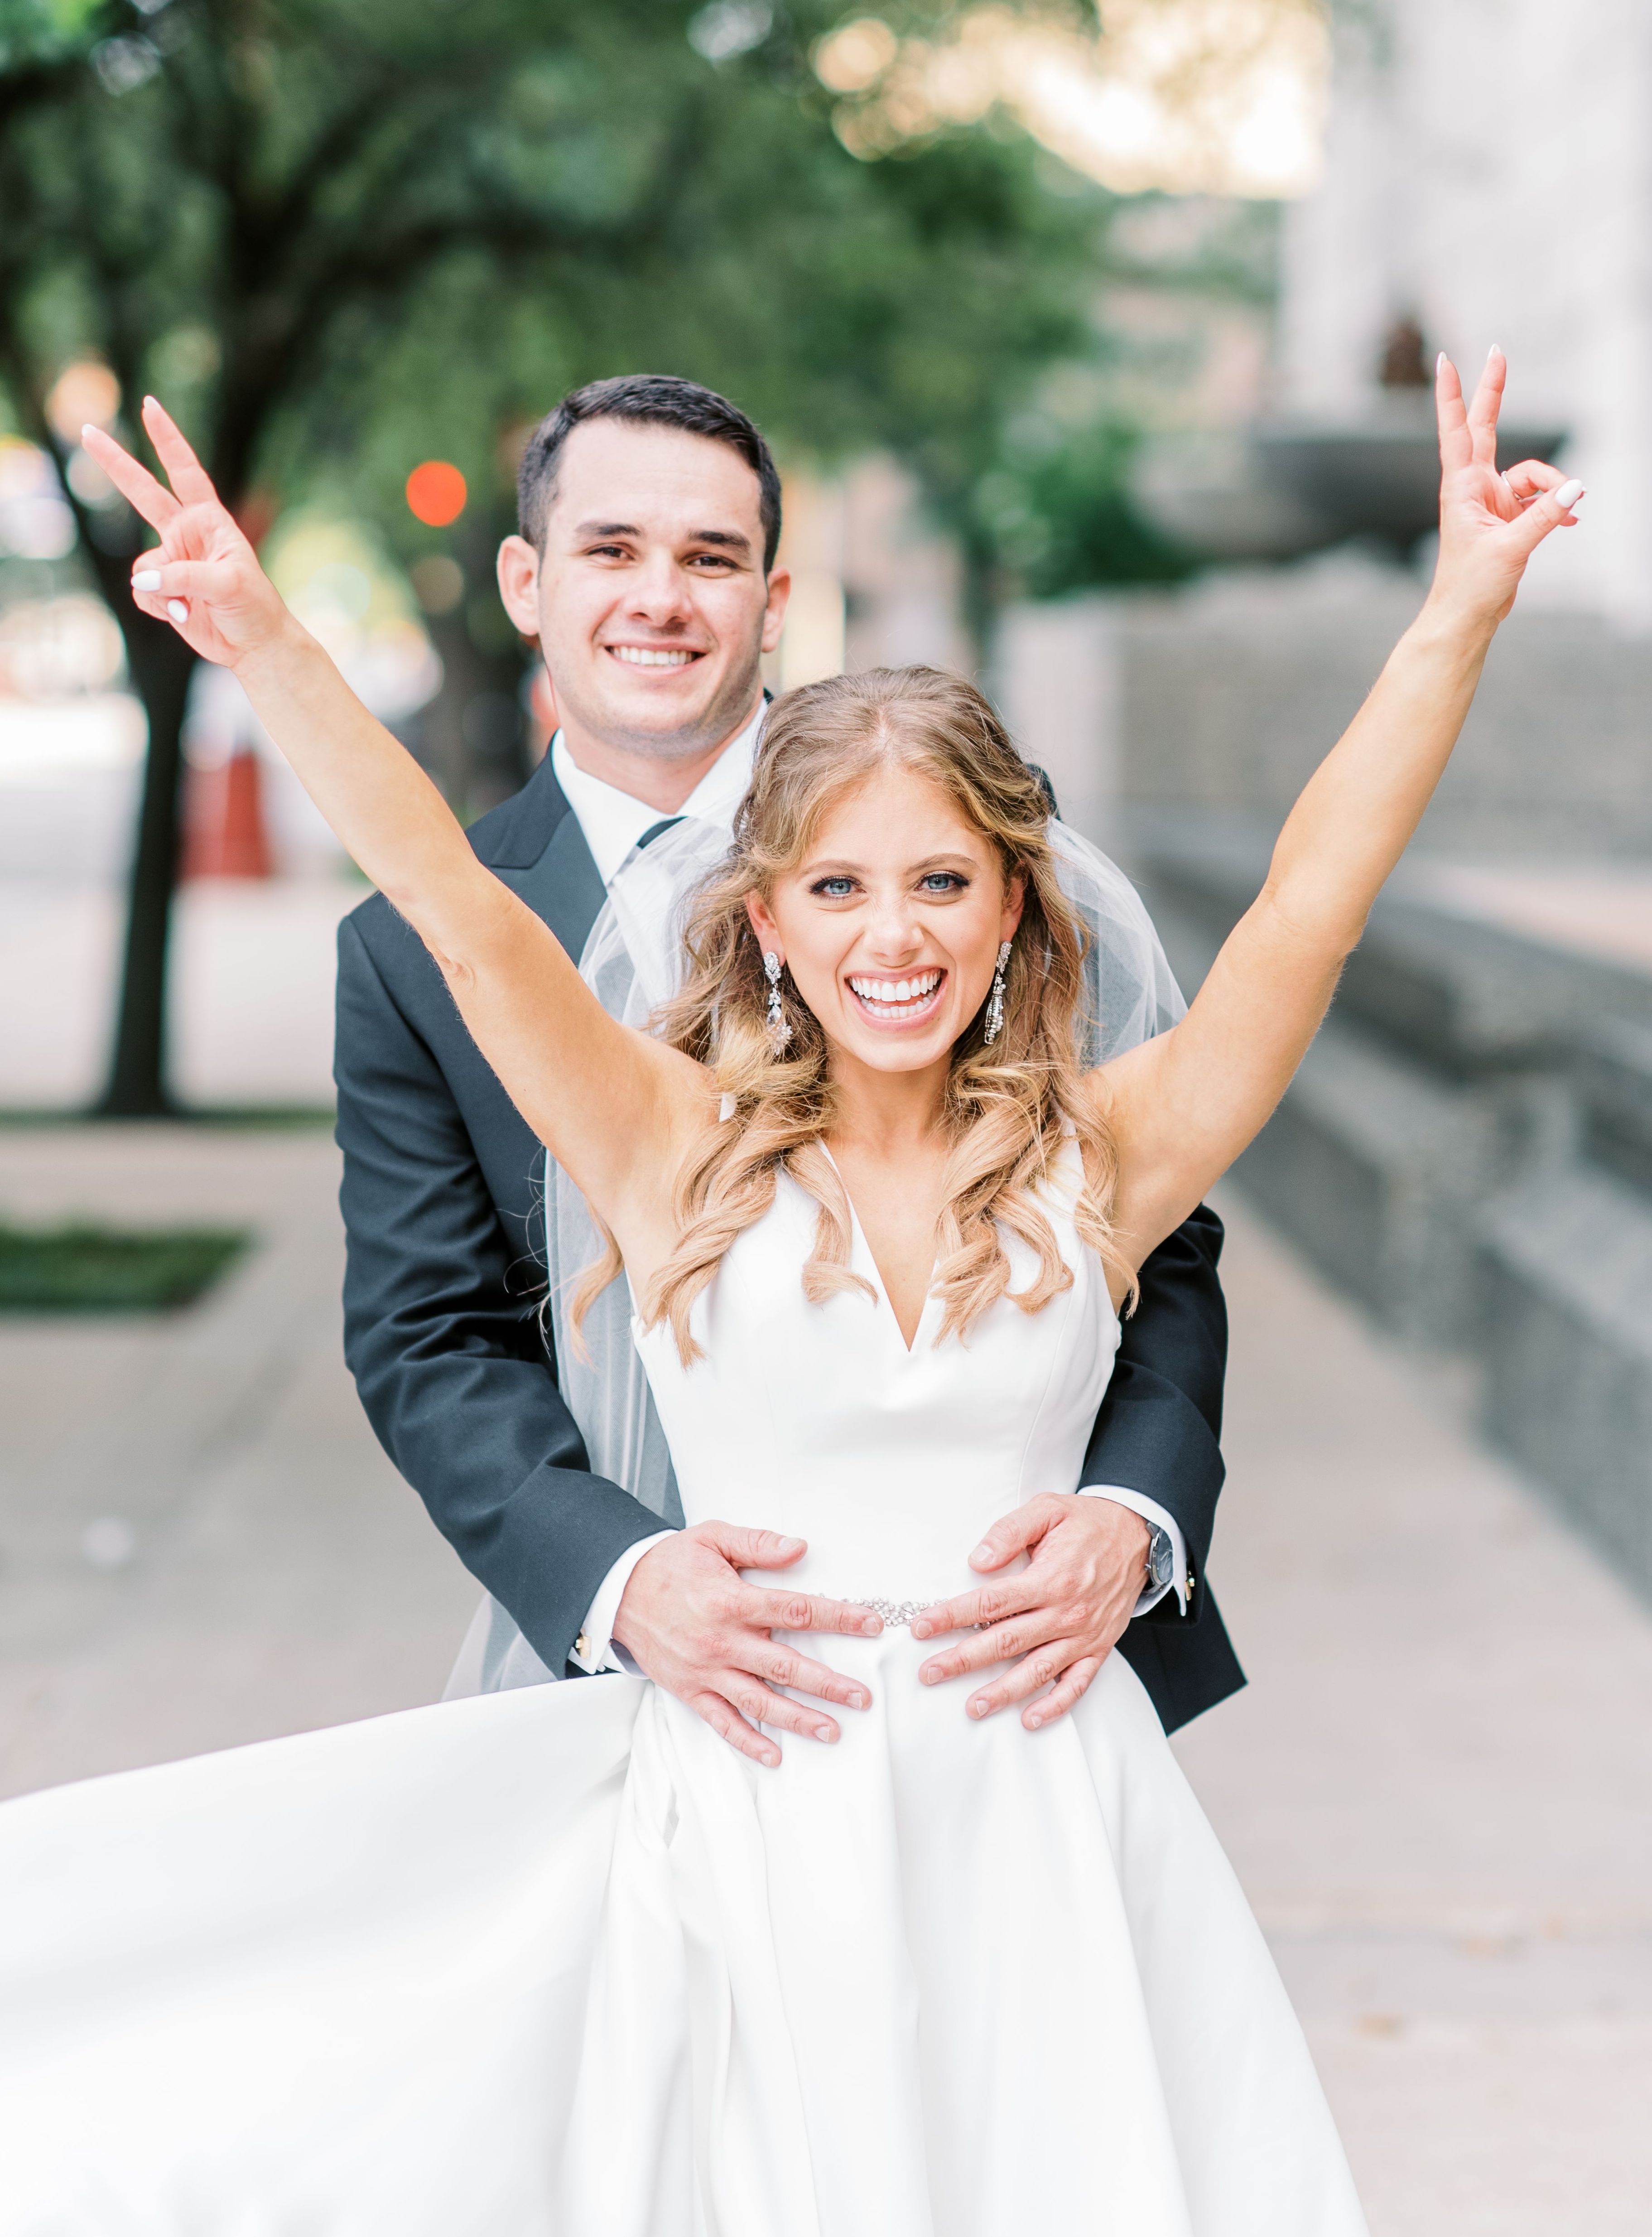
(557, 1961)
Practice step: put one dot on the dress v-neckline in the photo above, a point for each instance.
(858, 1238)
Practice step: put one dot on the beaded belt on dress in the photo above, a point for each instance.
(896, 1614)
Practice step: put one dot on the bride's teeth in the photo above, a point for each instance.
(896, 993)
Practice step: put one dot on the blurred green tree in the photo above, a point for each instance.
(342, 234)
(1052, 511)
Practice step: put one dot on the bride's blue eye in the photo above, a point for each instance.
(945, 882)
(833, 889)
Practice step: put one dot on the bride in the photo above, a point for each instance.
(561, 1959)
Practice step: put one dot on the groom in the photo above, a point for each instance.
(650, 513)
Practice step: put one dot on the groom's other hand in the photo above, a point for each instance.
(1062, 1615)
(691, 1622)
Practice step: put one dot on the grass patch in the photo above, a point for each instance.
(103, 1269)
(246, 1118)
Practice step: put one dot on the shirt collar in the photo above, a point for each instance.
(613, 820)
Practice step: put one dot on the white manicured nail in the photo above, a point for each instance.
(147, 579)
(1439, 363)
(176, 607)
(87, 429)
(1568, 494)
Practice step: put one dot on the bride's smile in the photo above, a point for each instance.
(899, 1002)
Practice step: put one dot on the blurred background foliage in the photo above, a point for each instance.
(338, 236)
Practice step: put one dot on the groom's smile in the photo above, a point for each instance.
(650, 656)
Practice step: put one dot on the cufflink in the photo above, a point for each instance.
(583, 1646)
(1190, 1582)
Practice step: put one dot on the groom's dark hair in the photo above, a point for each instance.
(645, 400)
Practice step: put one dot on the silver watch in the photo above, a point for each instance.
(1161, 1557)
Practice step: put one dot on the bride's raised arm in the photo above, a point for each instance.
(1182, 1106)
(611, 1104)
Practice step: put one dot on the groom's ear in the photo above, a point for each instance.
(777, 591)
(518, 572)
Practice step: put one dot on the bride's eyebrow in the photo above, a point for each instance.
(964, 864)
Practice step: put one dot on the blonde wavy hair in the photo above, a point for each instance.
(1007, 1108)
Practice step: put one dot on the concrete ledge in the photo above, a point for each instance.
(1467, 1149)
(1566, 1332)
(1230, 693)
(1470, 998)
(1615, 1084)
(1375, 1170)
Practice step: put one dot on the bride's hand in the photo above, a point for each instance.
(1490, 522)
(203, 577)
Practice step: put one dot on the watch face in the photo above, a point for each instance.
(1160, 1556)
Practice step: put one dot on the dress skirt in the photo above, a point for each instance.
(559, 1961)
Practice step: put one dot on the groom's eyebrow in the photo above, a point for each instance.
(729, 539)
(726, 539)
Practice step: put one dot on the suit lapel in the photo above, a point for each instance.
(564, 885)
(535, 844)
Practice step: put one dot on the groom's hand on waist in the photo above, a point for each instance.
(1056, 1620)
(692, 1623)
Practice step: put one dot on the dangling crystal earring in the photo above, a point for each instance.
(779, 1030)
(995, 999)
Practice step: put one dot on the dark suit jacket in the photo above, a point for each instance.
(445, 1236)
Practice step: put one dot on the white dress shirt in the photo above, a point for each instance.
(612, 822)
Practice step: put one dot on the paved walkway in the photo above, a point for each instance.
(251, 990)
(282, 1575)
(1438, 1790)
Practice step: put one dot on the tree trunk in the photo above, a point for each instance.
(161, 665)
(980, 596)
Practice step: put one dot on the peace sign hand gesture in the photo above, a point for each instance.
(1490, 523)
(204, 578)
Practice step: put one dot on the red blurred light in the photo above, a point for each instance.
(436, 493)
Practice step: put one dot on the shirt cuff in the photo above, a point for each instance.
(595, 1649)
(1150, 1511)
